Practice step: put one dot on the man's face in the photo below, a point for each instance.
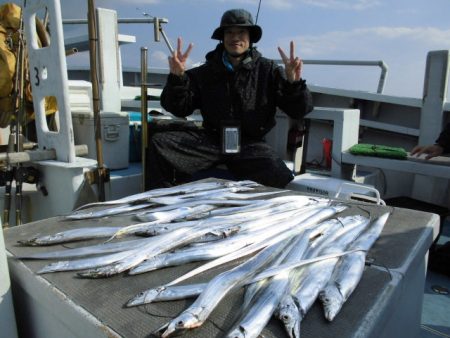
(236, 40)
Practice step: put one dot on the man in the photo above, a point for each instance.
(237, 92)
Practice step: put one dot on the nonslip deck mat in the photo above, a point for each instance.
(406, 233)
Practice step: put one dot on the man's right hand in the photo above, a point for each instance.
(177, 62)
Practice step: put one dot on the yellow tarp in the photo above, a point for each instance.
(9, 41)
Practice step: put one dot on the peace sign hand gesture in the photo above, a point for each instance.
(177, 62)
(292, 65)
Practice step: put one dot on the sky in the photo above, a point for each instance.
(398, 32)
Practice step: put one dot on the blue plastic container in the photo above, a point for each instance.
(135, 153)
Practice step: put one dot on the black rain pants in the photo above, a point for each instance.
(174, 156)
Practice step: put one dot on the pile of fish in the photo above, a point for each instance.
(299, 250)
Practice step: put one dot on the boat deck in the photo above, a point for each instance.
(435, 309)
(387, 301)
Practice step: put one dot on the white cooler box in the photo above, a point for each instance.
(334, 188)
(115, 137)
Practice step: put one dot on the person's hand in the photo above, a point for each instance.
(431, 151)
(177, 62)
(292, 65)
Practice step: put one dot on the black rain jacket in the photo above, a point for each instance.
(444, 139)
(249, 94)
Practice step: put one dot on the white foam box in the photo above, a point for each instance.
(330, 186)
(80, 96)
(115, 133)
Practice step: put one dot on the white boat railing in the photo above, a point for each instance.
(157, 27)
(368, 63)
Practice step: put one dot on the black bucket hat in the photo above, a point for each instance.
(240, 18)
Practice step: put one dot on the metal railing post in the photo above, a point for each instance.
(144, 137)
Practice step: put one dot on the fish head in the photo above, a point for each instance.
(52, 267)
(145, 297)
(332, 301)
(183, 322)
(291, 320)
(238, 332)
(101, 272)
(137, 300)
(30, 242)
(289, 314)
(151, 295)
